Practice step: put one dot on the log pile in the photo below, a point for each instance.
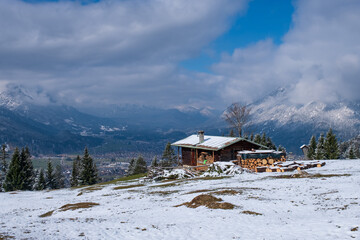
(289, 166)
(262, 164)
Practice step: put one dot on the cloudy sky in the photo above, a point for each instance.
(181, 52)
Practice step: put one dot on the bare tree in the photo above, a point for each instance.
(237, 115)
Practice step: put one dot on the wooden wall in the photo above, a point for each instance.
(192, 156)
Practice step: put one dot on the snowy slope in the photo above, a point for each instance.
(307, 208)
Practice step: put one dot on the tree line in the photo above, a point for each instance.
(324, 148)
(19, 174)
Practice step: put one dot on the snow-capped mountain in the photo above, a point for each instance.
(293, 124)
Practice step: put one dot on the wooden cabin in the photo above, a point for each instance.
(200, 149)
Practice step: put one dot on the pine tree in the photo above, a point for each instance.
(331, 146)
(74, 181)
(281, 149)
(13, 179)
(320, 152)
(27, 169)
(351, 153)
(231, 134)
(357, 152)
(88, 175)
(168, 158)
(41, 182)
(50, 179)
(257, 139)
(263, 139)
(140, 166)
(154, 162)
(252, 137)
(4, 156)
(270, 144)
(312, 148)
(59, 177)
(131, 167)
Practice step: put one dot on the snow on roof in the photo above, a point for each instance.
(210, 142)
(259, 151)
(304, 145)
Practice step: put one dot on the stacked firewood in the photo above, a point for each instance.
(289, 166)
(254, 163)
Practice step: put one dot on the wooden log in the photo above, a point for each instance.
(264, 161)
(271, 161)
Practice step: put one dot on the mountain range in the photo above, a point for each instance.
(38, 121)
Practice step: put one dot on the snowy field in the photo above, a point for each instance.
(325, 206)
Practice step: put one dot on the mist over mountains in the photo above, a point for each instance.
(33, 118)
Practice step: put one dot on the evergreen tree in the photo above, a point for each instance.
(13, 179)
(331, 146)
(263, 139)
(351, 154)
(281, 148)
(59, 177)
(252, 137)
(88, 175)
(74, 181)
(168, 158)
(41, 182)
(320, 152)
(50, 178)
(231, 134)
(270, 144)
(4, 156)
(357, 152)
(27, 169)
(257, 139)
(140, 166)
(312, 148)
(131, 167)
(154, 162)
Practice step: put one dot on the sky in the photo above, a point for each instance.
(181, 53)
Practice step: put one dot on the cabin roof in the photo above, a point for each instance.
(213, 143)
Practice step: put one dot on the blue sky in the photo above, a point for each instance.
(181, 53)
(260, 21)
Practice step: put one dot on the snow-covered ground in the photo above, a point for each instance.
(326, 207)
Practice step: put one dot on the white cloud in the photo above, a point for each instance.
(112, 51)
(318, 59)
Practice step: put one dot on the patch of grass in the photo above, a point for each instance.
(4, 236)
(207, 178)
(163, 193)
(355, 229)
(228, 192)
(90, 189)
(74, 206)
(48, 214)
(165, 185)
(128, 186)
(251, 213)
(208, 201)
(122, 179)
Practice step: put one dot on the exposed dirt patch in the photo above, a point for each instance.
(165, 185)
(228, 192)
(4, 236)
(251, 213)
(128, 186)
(208, 201)
(75, 206)
(355, 229)
(163, 193)
(48, 214)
